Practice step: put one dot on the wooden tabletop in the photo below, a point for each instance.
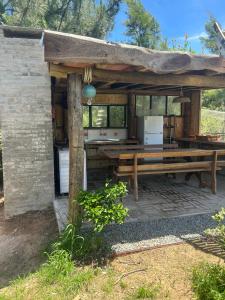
(181, 152)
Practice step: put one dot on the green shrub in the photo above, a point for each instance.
(103, 206)
(218, 233)
(208, 282)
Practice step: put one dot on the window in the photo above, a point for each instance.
(99, 116)
(173, 108)
(117, 116)
(104, 116)
(85, 116)
(143, 106)
(156, 106)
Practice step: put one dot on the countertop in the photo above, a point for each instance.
(196, 141)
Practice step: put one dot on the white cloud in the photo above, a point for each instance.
(193, 37)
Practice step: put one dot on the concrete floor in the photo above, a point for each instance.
(159, 197)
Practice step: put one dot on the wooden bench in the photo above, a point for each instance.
(137, 167)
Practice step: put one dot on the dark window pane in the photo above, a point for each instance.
(85, 116)
(158, 107)
(142, 106)
(99, 116)
(173, 108)
(116, 116)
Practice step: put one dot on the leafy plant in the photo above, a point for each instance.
(219, 231)
(103, 206)
(82, 247)
(208, 282)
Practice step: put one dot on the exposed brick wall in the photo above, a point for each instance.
(25, 98)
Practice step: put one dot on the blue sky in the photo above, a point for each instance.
(177, 17)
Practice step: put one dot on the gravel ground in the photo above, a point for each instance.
(134, 236)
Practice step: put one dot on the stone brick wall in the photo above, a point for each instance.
(26, 123)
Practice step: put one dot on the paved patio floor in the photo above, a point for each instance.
(159, 197)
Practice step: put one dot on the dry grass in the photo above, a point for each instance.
(168, 268)
(166, 272)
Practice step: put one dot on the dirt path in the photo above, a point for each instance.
(22, 240)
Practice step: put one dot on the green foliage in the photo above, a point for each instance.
(69, 240)
(209, 42)
(103, 206)
(214, 99)
(208, 282)
(218, 232)
(85, 17)
(146, 292)
(86, 247)
(212, 122)
(141, 27)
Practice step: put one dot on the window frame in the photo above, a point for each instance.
(166, 105)
(108, 116)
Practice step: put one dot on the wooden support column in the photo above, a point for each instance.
(195, 113)
(131, 119)
(192, 114)
(76, 145)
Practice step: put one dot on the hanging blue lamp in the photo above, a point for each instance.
(89, 91)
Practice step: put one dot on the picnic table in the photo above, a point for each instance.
(134, 162)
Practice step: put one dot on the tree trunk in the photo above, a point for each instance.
(76, 145)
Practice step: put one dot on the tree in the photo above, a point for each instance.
(209, 42)
(214, 99)
(141, 26)
(86, 17)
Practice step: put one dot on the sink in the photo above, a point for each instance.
(101, 140)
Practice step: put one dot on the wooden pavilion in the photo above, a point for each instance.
(121, 74)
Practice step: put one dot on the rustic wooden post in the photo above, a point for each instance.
(135, 178)
(213, 173)
(131, 121)
(195, 116)
(76, 145)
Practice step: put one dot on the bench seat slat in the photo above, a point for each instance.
(165, 167)
(123, 174)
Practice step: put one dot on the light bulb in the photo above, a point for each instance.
(89, 101)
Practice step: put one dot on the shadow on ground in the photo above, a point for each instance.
(23, 240)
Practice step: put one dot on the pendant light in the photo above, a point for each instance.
(181, 98)
(89, 91)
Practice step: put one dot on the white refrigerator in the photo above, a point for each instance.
(150, 130)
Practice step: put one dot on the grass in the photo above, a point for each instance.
(145, 292)
(168, 276)
(208, 281)
(58, 278)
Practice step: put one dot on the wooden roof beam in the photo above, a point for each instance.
(143, 78)
(72, 49)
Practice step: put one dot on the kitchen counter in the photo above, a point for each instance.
(191, 141)
(111, 141)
